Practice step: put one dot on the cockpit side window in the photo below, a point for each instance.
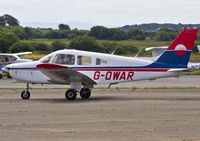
(84, 60)
(66, 59)
(101, 62)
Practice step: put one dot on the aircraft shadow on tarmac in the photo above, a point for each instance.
(105, 98)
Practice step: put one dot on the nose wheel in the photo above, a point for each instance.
(25, 94)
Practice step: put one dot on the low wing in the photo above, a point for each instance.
(63, 74)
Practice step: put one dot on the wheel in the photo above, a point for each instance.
(25, 95)
(1, 76)
(85, 93)
(71, 94)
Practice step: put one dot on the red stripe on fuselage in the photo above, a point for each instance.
(122, 69)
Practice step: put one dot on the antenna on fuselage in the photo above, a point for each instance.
(114, 51)
(137, 53)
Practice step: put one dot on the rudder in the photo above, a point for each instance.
(179, 51)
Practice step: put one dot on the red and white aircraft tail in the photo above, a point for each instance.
(179, 51)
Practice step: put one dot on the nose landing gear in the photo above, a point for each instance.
(25, 94)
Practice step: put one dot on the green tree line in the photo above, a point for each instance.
(9, 42)
(11, 24)
(99, 32)
(13, 37)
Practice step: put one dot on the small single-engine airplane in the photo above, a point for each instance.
(6, 59)
(82, 70)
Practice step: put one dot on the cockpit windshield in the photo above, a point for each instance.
(66, 59)
(47, 58)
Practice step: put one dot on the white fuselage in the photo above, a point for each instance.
(114, 69)
(28, 73)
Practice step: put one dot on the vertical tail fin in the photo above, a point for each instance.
(179, 51)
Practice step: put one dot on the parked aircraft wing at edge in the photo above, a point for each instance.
(22, 53)
(16, 54)
(154, 48)
(157, 51)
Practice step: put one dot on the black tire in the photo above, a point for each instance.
(25, 95)
(1, 76)
(71, 94)
(85, 93)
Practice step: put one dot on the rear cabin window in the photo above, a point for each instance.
(101, 62)
(65, 59)
(84, 60)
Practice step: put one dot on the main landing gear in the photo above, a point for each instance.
(71, 94)
(85, 93)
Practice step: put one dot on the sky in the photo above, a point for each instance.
(111, 13)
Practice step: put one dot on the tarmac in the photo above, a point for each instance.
(160, 110)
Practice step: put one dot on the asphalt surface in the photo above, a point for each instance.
(150, 112)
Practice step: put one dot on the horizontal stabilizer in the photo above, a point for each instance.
(178, 70)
